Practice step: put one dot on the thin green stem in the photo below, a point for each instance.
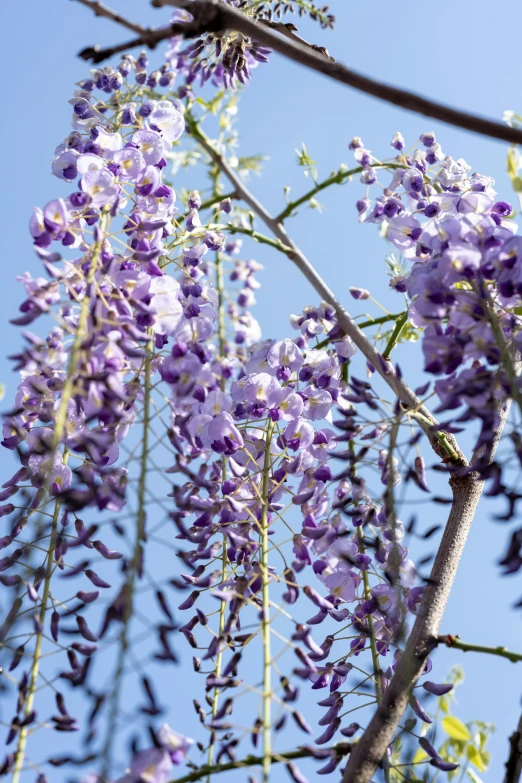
(59, 431)
(365, 324)
(395, 335)
(371, 626)
(217, 198)
(132, 573)
(337, 178)
(456, 643)
(342, 749)
(35, 666)
(441, 436)
(220, 287)
(505, 352)
(257, 237)
(267, 658)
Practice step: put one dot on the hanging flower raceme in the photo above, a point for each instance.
(149, 351)
(464, 285)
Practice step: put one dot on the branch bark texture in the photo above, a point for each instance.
(215, 16)
(514, 762)
(467, 490)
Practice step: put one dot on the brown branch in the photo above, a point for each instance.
(102, 10)
(457, 644)
(444, 445)
(341, 749)
(514, 762)
(373, 745)
(215, 16)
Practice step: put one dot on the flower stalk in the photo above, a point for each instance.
(265, 623)
(59, 432)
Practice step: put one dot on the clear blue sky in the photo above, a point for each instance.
(465, 53)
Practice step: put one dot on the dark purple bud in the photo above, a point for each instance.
(445, 766)
(420, 474)
(85, 630)
(87, 598)
(190, 601)
(13, 731)
(295, 773)
(95, 579)
(418, 710)
(17, 657)
(327, 735)
(502, 208)
(299, 719)
(428, 747)
(317, 599)
(331, 766)
(84, 649)
(437, 689)
(55, 621)
(108, 554)
(350, 730)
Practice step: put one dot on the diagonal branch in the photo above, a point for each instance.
(514, 762)
(443, 444)
(467, 490)
(102, 10)
(458, 644)
(342, 749)
(216, 16)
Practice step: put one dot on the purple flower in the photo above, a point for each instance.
(131, 163)
(404, 232)
(221, 435)
(150, 144)
(100, 186)
(176, 744)
(341, 585)
(149, 766)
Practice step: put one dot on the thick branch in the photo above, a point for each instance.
(467, 490)
(514, 762)
(102, 10)
(342, 749)
(457, 644)
(444, 445)
(216, 16)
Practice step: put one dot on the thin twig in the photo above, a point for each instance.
(342, 749)
(443, 444)
(100, 9)
(457, 644)
(337, 178)
(212, 16)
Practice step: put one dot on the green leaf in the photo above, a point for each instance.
(477, 759)
(420, 755)
(456, 729)
(512, 162)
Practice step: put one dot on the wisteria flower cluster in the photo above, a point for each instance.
(463, 285)
(153, 414)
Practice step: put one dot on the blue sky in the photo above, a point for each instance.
(466, 54)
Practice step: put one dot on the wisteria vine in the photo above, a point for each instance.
(271, 474)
